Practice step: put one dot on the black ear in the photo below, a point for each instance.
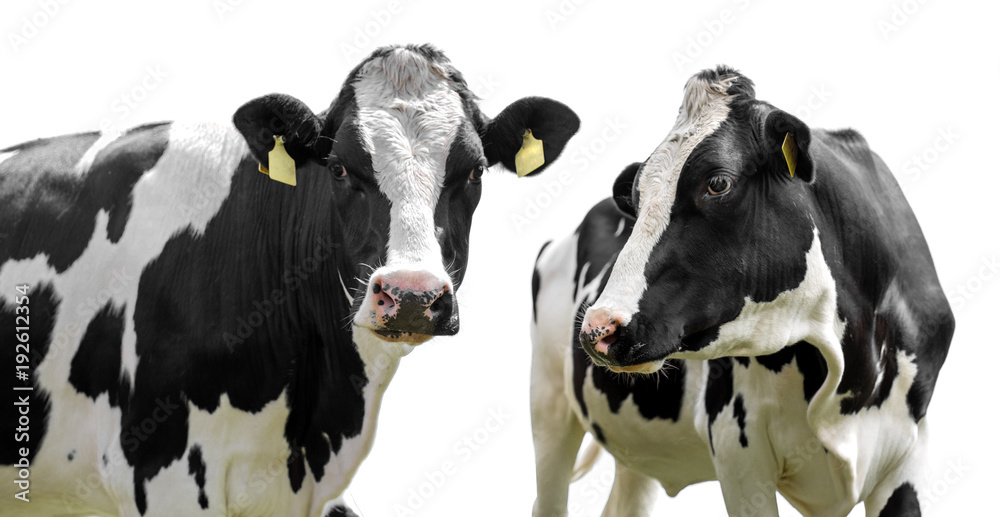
(550, 121)
(777, 125)
(263, 118)
(622, 191)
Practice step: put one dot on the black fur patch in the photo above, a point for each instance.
(598, 433)
(96, 367)
(536, 283)
(718, 391)
(809, 361)
(740, 414)
(196, 467)
(42, 304)
(902, 503)
(340, 511)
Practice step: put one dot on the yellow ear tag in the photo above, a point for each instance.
(530, 157)
(280, 166)
(791, 152)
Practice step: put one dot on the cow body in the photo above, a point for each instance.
(207, 341)
(647, 423)
(811, 379)
(105, 443)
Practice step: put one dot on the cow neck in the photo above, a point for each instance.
(325, 389)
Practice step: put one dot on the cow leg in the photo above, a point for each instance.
(555, 428)
(898, 495)
(750, 495)
(632, 495)
(748, 475)
(557, 435)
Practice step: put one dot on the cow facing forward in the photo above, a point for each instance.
(777, 287)
(207, 341)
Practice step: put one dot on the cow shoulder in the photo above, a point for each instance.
(896, 310)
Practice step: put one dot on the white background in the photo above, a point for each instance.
(899, 80)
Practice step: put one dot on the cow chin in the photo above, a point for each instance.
(642, 368)
(395, 336)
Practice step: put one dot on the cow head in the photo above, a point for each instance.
(404, 146)
(722, 227)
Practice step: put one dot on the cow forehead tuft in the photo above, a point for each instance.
(705, 104)
(405, 71)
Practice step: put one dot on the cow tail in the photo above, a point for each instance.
(587, 461)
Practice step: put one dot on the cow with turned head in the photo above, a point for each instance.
(755, 304)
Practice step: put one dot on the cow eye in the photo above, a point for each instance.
(339, 171)
(476, 174)
(719, 185)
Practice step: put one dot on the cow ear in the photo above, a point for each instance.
(622, 191)
(264, 118)
(787, 146)
(550, 121)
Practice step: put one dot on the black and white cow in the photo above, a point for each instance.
(206, 341)
(791, 327)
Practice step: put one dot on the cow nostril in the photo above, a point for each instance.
(601, 336)
(441, 307)
(606, 342)
(376, 288)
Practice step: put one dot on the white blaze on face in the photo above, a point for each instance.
(705, 107)
(408, 116)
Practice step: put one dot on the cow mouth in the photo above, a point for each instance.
(396, 336)
(654, 357)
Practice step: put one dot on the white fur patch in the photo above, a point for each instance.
(183, 190)
(87, 160)
(408, 116)
(705, 107)
(588, 292)
(806, 312)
